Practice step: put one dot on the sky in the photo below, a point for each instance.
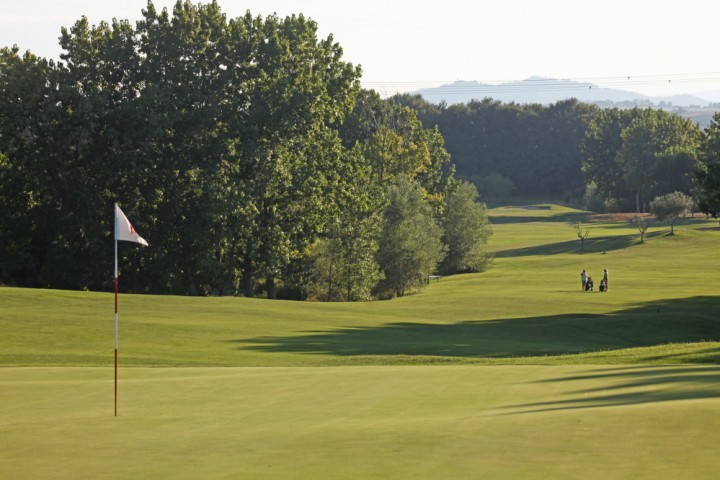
(652, 47)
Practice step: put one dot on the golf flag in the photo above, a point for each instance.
(124, 230)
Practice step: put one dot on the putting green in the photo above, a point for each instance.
(530, 422)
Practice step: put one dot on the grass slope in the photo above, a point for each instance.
(661, 308)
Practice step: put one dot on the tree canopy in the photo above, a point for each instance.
(667, 208)
(243, 149)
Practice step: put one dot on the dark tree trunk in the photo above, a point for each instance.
(248, 289)
(271, 290)
(190, 282)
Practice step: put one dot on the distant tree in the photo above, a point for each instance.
(708, 174)
(535, 147)
(657, 141)
(466, 231)
(709, 190)
(600, 147)
(642, 225)
(711, 141)
(667, 208)
(494, 185)
(582, 232)
(410, 246)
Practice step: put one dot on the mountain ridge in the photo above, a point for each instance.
(549, 90)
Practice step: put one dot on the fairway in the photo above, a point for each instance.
(509, 373)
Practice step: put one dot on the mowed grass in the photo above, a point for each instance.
(418, 422)
(662, 307)
(510, 373)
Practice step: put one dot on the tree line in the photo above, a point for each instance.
(243, 150)
(608, 159)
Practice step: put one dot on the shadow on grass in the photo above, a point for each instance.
(569, 217)
(623, 386)
(592, 245)
(675, 321)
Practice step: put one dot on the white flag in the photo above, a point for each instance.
(124, 230)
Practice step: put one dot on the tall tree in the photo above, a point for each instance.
(466, 230)
(410, 246)
(394, 141)
(708, 174)
(709, 190)
(655, 141)
(344, 266)
(26, 84)
(298, 88)
(600, 147)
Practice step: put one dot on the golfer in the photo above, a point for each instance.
(605, 277)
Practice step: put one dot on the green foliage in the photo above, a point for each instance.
(592, 199)
(218, 137)
(343, 264)
(233, 144)
(630, 155)
(494, 185)
(708, 174)
(709, 190)
(410, 246)
(536, 148)
(394, 142)
(667, 208)
(466, 231)
(600, 147)
(658, 142)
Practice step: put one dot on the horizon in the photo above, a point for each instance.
(540, 87)
(654, 50)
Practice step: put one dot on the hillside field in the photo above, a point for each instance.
(509, 373)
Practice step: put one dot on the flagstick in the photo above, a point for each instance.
(123, 231)
(116, 326)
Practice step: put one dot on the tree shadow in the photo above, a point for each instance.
(672, 321)
(592, 245)
(623, 386)
(569, 217)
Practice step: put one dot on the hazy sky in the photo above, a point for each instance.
(664, 47)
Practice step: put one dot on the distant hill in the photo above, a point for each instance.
(548, 90)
